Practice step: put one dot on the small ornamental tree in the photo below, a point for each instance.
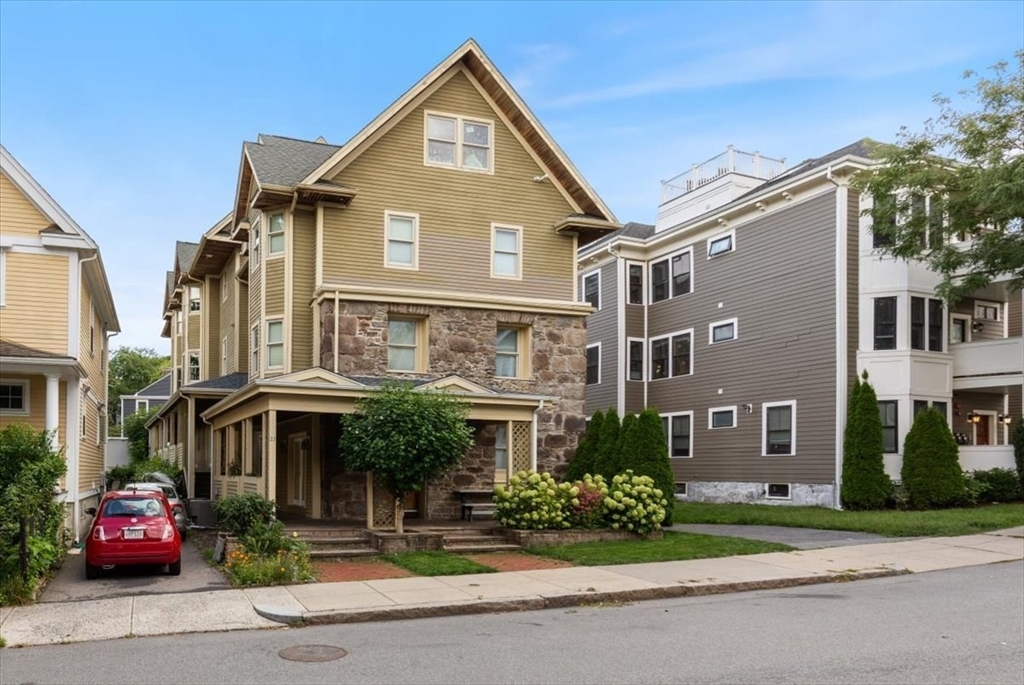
(649, 450)
(1018, 450)
(865, 483)
(607, 458)
(582, 462)
(406, 437)
(931, 463)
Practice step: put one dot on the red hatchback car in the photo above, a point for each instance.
(132, 528)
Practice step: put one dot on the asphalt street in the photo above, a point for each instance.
(960, 626)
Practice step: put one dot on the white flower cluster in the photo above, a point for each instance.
(634, 504)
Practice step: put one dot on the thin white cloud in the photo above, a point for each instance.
(539, 61)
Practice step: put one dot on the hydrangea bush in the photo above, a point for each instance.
(634, 504)
(534, 501)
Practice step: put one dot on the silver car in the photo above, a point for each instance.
(181, 519)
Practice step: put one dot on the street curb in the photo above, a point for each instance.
(563, 601)
(286, 616)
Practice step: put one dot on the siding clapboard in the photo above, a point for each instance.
(18, 216)
(229, 289)
(35, 312)
(211, 324)
(601, 327)
(303, 275)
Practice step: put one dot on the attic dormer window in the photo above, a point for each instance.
(457, 142)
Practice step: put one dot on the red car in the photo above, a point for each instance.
(132, 527)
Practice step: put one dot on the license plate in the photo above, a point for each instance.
(134, 533)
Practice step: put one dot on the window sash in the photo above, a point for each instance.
(593, 365)
(193, 366)
(501, 447)
(885, 323)
(254, 347)
(677, 433)
(403, 339)
(459, 143)
(888, 411)
(779, 430)
(659, 281)
(507, 353)
(275, 234)
(275, 344)
(680, 274)
(592, 290)
(724, 418)
(401, 240)
(194, 302)
(723, 332)
(12, 397)
(636, 360)
(917, 323)
(506, 252)
(659, 358)
(720, 246)
(681, 353)
(936, 315)
(636, 284)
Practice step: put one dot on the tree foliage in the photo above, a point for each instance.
(931, 463)
(647, 455)
(584, 459)
(135, 430)
(971, 166)
(1018, 450)
(606, 462)
(131, 369)
(865, 483)
(407, 437)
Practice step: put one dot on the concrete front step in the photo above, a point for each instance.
(475, 540)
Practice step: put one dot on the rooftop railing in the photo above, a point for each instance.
(731, 161)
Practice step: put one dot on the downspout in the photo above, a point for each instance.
(841, 331)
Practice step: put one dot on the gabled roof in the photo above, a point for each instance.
(13, 349)
(184, 255)
(161, 387)
(631, 230)
(63, 232)
(277, 160)
(232, 381)
(511, 106)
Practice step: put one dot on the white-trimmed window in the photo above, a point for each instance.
(779, 428)
(275, 344)
(92, 329)
(404, 337)
(178, 321)
(511, 351)
(635, 365)
(723, 331)
(672, 276)
(721, 417)
(14, 398)
(777, 491)
(254, 244)
(679, 433)
(195, 302)
(224, 289)
(193, 366)
(458, 142)
(223, 355)
(987, 311)
(635, 284)
(592, 289)
(501, 453)
(275, 234)
(672, 355)
(254, 350)
(721, 244)
(506, 251)
(594, 364)
(100, 423)
(402, 238)
(141, 405)
(959, 328)
(83, 413)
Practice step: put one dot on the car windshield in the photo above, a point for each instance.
(134, 506)
(169, 491)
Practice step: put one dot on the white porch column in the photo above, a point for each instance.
(53, 408)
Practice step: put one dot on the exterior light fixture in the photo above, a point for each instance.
(974, 417)
(1004, 418)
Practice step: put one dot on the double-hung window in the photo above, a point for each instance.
(403, 344)
(636, 359)
(507, 247)
(926, 324)
(193, 367)
(254, 244)
(254, 351)
(936, 315)
(679, 434)
(194, 301)
(275, 344)
(885, 323)
(402, 240)
(917, 323)
(592, 289)
(670, 277)
(275, 234)
(889, 411)
(14, 397)
(672, 355)
(507, 357)
(636, 284)
(779, 421)
(594, 364)
(460, 143)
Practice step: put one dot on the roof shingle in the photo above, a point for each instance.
(286, 161)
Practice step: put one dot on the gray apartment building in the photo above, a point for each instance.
(745, 312)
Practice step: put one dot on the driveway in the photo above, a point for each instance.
(70, 584)
(800, 538)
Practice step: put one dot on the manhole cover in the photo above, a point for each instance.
(312, 653)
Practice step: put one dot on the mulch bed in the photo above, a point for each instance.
(344, 571)
(516, 561)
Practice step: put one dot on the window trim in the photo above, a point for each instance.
(643, 283)
(139, 401)
(255, 246)
(388, 264)
(223, 355)
(717, 410)
(523, 352)
(650, 354)
(768, 489)
(668, 258)
(668, 433)
(643, 360)
(459, 122)
(895, 427)
(765, 406)
(198, 367)
(254, 349)
(895, 324)
(511, 228)
(26, 408)
(583, 290)
(731, 235)
(267, 344)
(599, 360)
(195, 297)
(985, 303)
(718, 324)
(420, 342)
(271, 235)
(953, 316)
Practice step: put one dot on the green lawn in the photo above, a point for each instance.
(672, 547)
(889, 523)
(436, 564)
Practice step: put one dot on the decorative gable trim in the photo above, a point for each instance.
(455, 383)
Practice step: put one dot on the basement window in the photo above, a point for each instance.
(778, 491)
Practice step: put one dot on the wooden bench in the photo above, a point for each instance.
(472, 503)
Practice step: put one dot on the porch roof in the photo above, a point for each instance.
(18, 358)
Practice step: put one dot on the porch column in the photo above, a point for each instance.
(270, 430)
(53, 408)
(190, 449)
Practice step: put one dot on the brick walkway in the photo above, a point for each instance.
(516, 561)
(342, 571)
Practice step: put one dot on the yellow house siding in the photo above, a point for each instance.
(194, 330)
(456, 210)
(275, 286)
(227, 316)
(90, 454)
(303, 275)
(18, 216)
(254, 317)
(242, 332)
(37, 406)
(211, 327)
(36, 302)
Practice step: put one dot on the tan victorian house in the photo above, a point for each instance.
(56, 315)
(437, 245)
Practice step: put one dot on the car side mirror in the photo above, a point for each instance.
(91, 511)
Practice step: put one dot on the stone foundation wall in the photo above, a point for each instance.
(476, 472)
(757, 493)
(345, 497)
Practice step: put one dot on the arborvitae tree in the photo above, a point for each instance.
(865, 483)
(1018, 450)
(582, 462)
(649, 448)
(606, 459)
(625, 452)
(931, 463)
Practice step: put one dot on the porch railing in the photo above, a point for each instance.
(731, 161)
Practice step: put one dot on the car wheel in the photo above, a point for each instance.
(91, 572)
(184, 535)
(175, 568)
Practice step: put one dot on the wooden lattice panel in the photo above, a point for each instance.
(383, 505)
(522, 459)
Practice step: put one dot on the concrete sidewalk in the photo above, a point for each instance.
(403, 598)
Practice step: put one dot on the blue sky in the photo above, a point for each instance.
(132, 115)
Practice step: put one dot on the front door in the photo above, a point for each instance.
(297, 470)
(983, 435)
